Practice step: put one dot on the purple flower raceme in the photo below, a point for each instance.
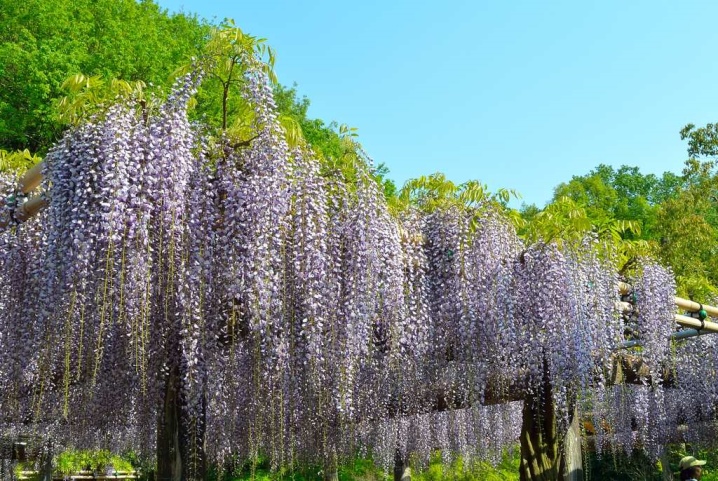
(295, 315)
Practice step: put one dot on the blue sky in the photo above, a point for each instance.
(517, 94)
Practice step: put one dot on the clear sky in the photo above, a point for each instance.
(517, 94)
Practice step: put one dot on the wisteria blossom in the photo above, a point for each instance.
(271, 309)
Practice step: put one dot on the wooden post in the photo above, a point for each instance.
(573, 455)
(402, 471)
(331, 469)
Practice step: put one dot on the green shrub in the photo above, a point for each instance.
(460, 470)
(72, 461)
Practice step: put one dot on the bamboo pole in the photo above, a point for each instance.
(28, 209)
(31, 179)
(622, 306)
(695, 327)
(25, 211)
(686, 321)
(692, 306)
(687, 304)
(682, 334)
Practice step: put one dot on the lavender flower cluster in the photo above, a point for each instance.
(297, 317)
(680, 388)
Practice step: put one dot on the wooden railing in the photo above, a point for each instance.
(80, 475)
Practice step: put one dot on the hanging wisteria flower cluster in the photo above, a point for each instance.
(284, 312)
(679, 382)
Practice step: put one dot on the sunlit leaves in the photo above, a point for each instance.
(18, 161)
(87, 95)
(435, 191)
(225, 58)
(702, 141)
(567, 223)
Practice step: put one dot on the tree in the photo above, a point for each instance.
(688, 219)
(43, 42)
(702, 141)
(324, 139)
(624, 194)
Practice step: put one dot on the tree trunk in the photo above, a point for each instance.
(540, 447)
(180, 433)
(192, 449)
(180, 440)
(169, 454)
(331, 473)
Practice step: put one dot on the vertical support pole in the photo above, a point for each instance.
(573, 455)
(46, 462)
(540, 447)
(331, 468)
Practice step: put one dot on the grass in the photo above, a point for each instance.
(610, 467)
(364, 469)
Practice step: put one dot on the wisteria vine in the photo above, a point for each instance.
(294, 314)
